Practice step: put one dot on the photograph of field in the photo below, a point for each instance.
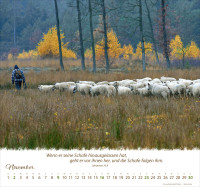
(100, 74)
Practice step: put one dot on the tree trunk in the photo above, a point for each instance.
(142, 37)
(14, 35)
(92, 37)
(183, 60)
(152, 32)
(58, 33)
(105, 37)
(165, 34)
(81, 36)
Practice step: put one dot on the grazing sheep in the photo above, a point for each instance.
(189, 90)
(70, 89)
(196, 90)
(46, 88)
(164, 79)
(196, 81)
(144, 91)
(98, 90)
(115, 83)
(86, 82)
(122, 90)
(111, 90)
(135, 87)
(159, 90)
(84, 89)
(62, 86)
(156, 80)
(146, 79)
(185, 82)
(178, 89)
(126, 82)
(103, 83)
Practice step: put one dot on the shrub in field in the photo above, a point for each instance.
(114, 47)
(48, 46)
(127, 51)
(148, 50)
(88, 53)
(32, 54)
(193, 51)
(177, 49)
(10, 56)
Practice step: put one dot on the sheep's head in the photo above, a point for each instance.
(149, 86)
(75, 89)
(40, 87)
(131, 87)
(188, 92)
(116, 84)
(54, 87)
(90, 91)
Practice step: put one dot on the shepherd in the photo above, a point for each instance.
(18, 77)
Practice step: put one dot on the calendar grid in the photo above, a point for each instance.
(175, 168)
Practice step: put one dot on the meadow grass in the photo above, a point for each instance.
(31, 119)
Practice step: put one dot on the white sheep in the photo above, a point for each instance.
(126, 82)
(122, 90)
(189, 90)
(46, 88)
(98, 90)
(164, 79)
(196, 90)
(135, 87)
(159, 90)
(111, 90)
(178, 89)
(185, 82)
(156, 80)
(196, 81)
(86, 82)
(144, 91)
(115, 83)
(70, 89)
(62, 85)
(103, 83)
(84, 89)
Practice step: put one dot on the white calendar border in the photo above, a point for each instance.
(139, 149)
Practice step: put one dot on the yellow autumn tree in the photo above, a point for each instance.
(177, 49)
(127, 51)
(48, 46)
(193, 51)
(88, 53)
(10, 56)
(148, 50)
(32, 54)
(114, 47)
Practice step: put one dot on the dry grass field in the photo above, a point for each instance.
(31, 119)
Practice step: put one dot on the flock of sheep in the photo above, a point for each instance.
(163, 87)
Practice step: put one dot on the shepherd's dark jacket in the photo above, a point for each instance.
(14, 79)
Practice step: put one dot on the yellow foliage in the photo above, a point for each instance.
(49, 47)
(193, 51)
(127, 51)
(177, 49)
(10, 56)
(114, 47)
(88, 53)
(32, 54)
(148, 50)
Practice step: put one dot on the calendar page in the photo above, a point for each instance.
(100, 168)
